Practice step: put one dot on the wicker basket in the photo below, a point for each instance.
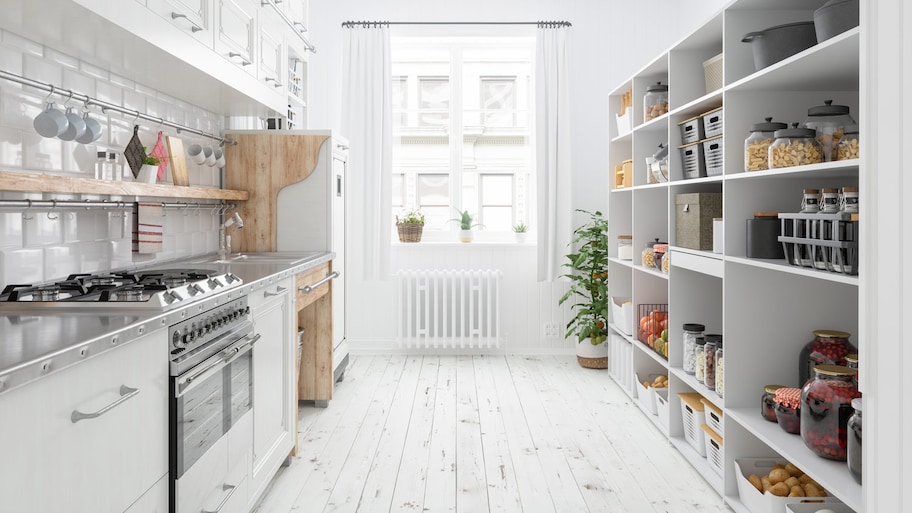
(410, 232)
(593, 363)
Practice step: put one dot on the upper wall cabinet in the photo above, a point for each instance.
(236, 33)
(192, 16)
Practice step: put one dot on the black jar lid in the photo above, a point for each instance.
(701, 341)
(658, 86)
(661, 153)
(796, 132)
(828, 109)
(713, 338)
(768, 126)
(694, 327)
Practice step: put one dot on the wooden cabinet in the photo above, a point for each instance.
(92, 463)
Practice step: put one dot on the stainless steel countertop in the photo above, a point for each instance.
(34, 344)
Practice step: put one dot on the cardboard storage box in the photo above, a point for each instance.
(694, 215)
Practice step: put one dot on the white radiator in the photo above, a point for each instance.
(449, 309)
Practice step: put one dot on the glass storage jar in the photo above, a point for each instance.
(788, 409)
(829, 200)
(691, 332)
(794, 147)
(767, 405)
(848, 201)
(852, 363)
(826, 405)
(756, 146)
(659, 251)
(853, 444)
(648, 255)
(810, 201)
(829, 347)
(830, 122)
(720, 370)
(848, 147)
(655, 101)
(625, 247)
(709, 357)
(699, 358)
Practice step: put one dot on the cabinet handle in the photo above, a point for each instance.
(193, 26)
(307, 289)
(270, 79)
(225, 488)
(125, 393)
(301, 28)
(244, 62)
(278, 291)
(342, 147)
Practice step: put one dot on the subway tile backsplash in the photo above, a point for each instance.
(37, 245)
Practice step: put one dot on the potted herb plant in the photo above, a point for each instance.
(466, 223)
(589, 288)
(519, 231)
(148, 173)
(410, 226)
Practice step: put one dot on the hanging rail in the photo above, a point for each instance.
(106, 205)
(542, 24)
(106, 106)
(296, 26)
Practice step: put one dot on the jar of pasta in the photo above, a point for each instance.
(830, 121)
(648, 256)
(756, 146)
(795, 147)
(655, 101)
(847, 148)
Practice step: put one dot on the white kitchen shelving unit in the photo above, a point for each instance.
(765, 309)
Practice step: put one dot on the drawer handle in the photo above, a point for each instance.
(225, 488)
(307, 289)
(193, 26)
(244, 62)
(276, 84)
(125, 393)
(301, 28)
(278, 291)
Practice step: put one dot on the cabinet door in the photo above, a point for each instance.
(271, 59)
(236, 34)
(155, 500)
(337, 228)
(103, 463)
(296, 10)
(192, 16)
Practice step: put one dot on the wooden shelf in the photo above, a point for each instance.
(34, 182)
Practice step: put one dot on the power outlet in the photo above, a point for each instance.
(551, 330)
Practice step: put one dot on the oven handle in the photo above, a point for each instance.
(233, 353)
(224, 359)
(225, 488)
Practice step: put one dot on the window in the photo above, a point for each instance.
(461, 132)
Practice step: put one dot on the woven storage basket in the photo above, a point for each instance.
(593, 363)
(410, 232)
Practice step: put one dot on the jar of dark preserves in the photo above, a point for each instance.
(826, 405)
(853, 456)
(767, 405)
(829, 347)
(788, 409)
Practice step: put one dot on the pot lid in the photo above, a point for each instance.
(834, 370)
(661, 153)
(625, 237)
(828, 109)
(750, 36)
(658, 86)
(700, 341)
(768, 126)
(713, 337)
(795, 131)
(772, 388)
(856, 404)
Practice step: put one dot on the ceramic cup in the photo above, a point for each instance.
(219, 157)
(210, 156)
(75, 126)
(92, 130)
(51, 122)
(195, 152)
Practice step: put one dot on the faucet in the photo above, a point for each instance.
(225, 241)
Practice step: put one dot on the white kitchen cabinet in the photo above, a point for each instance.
(766, 309)
(103, 463)
(155, 500)
(191, 16)
(236, 33)
(272, 57)
(297, 12)
(274, 405)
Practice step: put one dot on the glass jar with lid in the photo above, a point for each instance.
(848, 200)
(826, 405)
(788, 409)
(853, 443)
(720, 369)
(795, 146)
(829, 347)
(648, 255)
(691, 332)
(756, 146)
(767, 405)
(830, 122)
(847, 148)
(655, 101)
(659, 251)
(699, 358)
(852, 363)
(829, 200)
(709, 357)
(625, 247)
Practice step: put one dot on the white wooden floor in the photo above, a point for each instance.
(483, 434)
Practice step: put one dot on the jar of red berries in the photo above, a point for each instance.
(829, 347)
(788, 409)
(826, 405)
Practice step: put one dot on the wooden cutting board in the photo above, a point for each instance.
(177, 160)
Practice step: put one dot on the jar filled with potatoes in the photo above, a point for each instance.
(756, 146)
(787, 481)
(830, 121)
(794, 146)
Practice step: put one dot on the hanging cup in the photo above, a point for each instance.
(92, 130)
(75, 126)
(51, 122)
(195, 152)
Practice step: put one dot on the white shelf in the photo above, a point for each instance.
(653, 418)
(700, 463)
(625, 263)
(653, 125)
(712, 264)
(783, 266)
(698, 387)
(650, 270)
(838, 169)
(622, 138)
(648, 351)
(834, 476)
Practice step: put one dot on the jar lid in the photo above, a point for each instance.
(700, 341)
(851, 129)
(768, 126)
(831, 334)
(795, 132)
(811, 191)
(713, 338)
(661, 153)
(856, 404)
(694, 327)
(660, 248)
(850, 189)
(830, 190)
(658, 86)
(828, 109)
(851, 358)
(788, 396)
(625, 237)
(766, 214)
(834, 370)
(771, 389)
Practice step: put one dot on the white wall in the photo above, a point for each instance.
(611, 40)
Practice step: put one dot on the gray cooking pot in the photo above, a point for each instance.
(834, 18)
(780, 42)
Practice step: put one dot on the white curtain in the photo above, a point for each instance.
(367, 122)
(553, 163)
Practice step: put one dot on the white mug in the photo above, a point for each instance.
(195, 152)
(75, 126)
(210, 156)
(219, 158)
(51, 122)
(92, 130)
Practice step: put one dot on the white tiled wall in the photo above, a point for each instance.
(39, 246)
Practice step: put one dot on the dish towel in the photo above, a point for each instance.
(161, 153)
(147, 228)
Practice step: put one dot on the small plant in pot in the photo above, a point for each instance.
(410, 226)
(148, 173)
(589, 289)
(466, 223)
(520, 230)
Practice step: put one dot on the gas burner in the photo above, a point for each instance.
(128, 293)
(174, 281)
(50, 293)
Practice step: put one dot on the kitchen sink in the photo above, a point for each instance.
(281, 258)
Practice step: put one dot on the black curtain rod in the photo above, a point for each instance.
(545, 24)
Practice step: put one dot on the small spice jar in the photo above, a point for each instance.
(829, 347)
(709, 356)
(788, 409)
(847, 148)
(648, 255)
(829, 203)
(655, 101)
(625, 247)
(849, 200)
(763, 236)
(756, 146)
(853, 443)
(810, 201)
(699, 359)
(691, 332)
(795, 147)
(720, 369)
(767, 405)
(826, 405)
(830, 122)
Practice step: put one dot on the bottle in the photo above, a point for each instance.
(625, 247)
(709, 356)
(691, 332)
(115, 171)
(699, 359)
(848, 147)
(101, 160)
(830, 200)
(849, 200)
(767, 405)
(853, 444)
(826, 405)
(810, 201)
(756, 146)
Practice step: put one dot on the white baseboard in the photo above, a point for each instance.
(373, 347)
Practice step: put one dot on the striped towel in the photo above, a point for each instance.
(147, 228)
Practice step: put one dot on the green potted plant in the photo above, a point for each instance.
(410, 226)
(148, 173)
(466, 223)
(589, 288)
(519, 231)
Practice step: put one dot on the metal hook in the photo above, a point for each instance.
(53, 206)
(135, 119)
(25, 217)
(185, 209)
(161, 123)
(70, 97)
(48, 97)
